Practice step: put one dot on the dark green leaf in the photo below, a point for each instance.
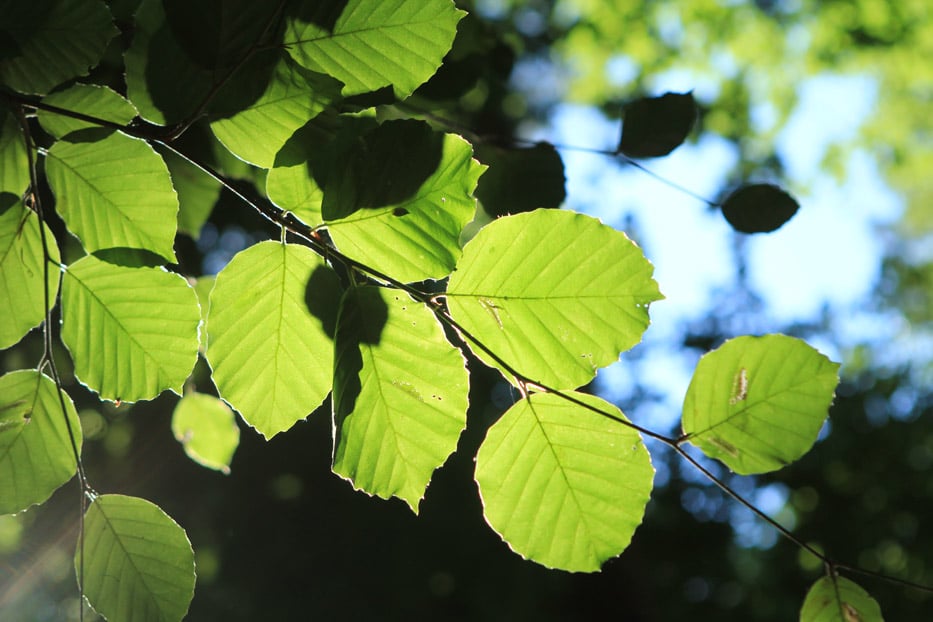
(655, 126)
(759, 208)
(47, 42)
(520, 180)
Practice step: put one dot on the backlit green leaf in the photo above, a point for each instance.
(92, 100)
(36, 456)
(53, 41)
(138, 563)
(837, 599)
(14, 165)
(400, 394)
(132, 332)
(207, 429)
(562, 485)
(555, 294)
(270, 334)
(402, 198)
(370, 44)
(294, 96)
(114, 193)
(758, 403)
(22, 300)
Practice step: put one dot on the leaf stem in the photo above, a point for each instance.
(48, 356)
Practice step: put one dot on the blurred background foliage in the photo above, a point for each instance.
(281, 538)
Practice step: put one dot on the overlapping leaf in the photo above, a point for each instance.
(22, 296)
(371, 44)
(114, 193)
(138, 563)
(174, 62)
(132, 332)
(402, 199)
(400, 394)
(14, 164)
(207, 429)
(197, 193)
(837, 599)
(758, 403)
(293, 96)
(270, 334)
(92, 100)
(564, 486)
(36, 456)
(555, 294)
(520, 180)
(54, 40)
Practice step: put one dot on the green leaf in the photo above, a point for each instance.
(759, 208)
(89, 99)
(138, 563)
(22, 300)
(132, 332)
(14, 163)
(202, 287)
(520, 180)
(400, 394)
(175, 61)
(655, 126)
(207, 429)
(114, 193)
(837, 599)
(313, 154)
(51, 41)
(36, 456)
(555, 294)
(197, 193)
(270, 330)
(758, 403)
(294, 95)
(562, 485)
(371, 44)
(401, 200)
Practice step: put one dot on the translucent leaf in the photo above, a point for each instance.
(206, 427)
(758, 403)
(837, 599)
(294, 95)
(312, 155)
(197, 194)
(51, 41)
(22, 300)
(401, 200)
(36, 456)
(175, 61)
(371, 44)
(132, 332)
(562, 485)
(138, 563)
(520, 180)
(14, 164)
(90, 99)
(759, 208)
(270, 334)
(114, 193)
(655, 126)
(400, 394)
(555, 294)
(202, 287)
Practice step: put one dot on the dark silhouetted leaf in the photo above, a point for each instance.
(520, 180)
(759, 208)
(655, 126)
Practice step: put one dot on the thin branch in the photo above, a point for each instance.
(313, 238)
(48, 356)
